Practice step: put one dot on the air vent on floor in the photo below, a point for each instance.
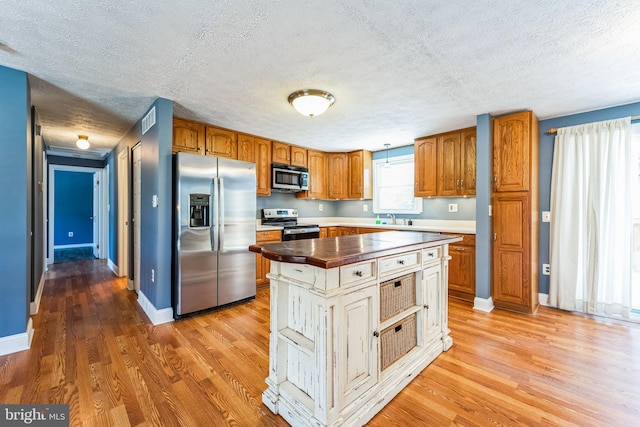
(149, 120)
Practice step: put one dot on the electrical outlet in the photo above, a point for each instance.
(546, 216)
(453, 207)
(365, 207)
(320, 207)
(71, 234)
(546, 269)
(153, 275)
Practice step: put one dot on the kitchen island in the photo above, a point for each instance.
(353, 320)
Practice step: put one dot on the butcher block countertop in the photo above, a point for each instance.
(337, 251)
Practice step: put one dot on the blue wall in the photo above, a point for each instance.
(14, 134)
(73, 208)
(156, 225)
(547, 142)
(432, 208)
(483, 201)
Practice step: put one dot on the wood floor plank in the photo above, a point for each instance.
(94, 349)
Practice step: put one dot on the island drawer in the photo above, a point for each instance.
(431, 254)
(400, 262)
(357, 273)
(397, 340)
(397, 295)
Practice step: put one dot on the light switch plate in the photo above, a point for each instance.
(453, 207)
(546, 216)
(365, 207)
(320, 207)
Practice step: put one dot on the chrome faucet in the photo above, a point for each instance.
(393, 218)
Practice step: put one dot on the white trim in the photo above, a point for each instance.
(35, 305)
(112, 267)
(104, 213)
(77, 245)
(122, 215)
(483, 304)
(17, 342)
(130, 284)
(543, 299)
(156, 316)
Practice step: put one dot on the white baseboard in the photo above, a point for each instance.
(483, 304)
(543, 299)
(17, 342)
(130, 284)
(156, 316)
(78, 245)
(35, 305)
(112, 267)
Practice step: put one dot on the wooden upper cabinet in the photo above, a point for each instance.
(425, 160)
(338, 171)
(448, 164)
(246, 148)
(280, 152)
(317, 176)
(360, 175)
(263, 166)
(221, 143)
(511, 152)
(468, 147)
(298, 156)
(188, 137)
(289, 154)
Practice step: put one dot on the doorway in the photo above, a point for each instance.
(77, 212)
(137, 188)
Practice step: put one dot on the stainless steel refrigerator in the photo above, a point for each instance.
(215, 222)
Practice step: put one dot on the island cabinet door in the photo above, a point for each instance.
(357, 355)
(432, 310)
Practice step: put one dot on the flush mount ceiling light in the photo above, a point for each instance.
(82, 142)
(311, 102)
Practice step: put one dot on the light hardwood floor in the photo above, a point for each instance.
(94, 349)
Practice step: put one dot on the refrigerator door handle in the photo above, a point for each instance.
(221, 214)
(215, 215)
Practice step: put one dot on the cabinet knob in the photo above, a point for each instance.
(376, 334)
(357, 273)
(461, 184)
(401, 261)
(426, 306)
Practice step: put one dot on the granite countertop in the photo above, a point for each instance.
(336, 251)
(438, 226)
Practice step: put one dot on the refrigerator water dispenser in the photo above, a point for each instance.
(199, 210)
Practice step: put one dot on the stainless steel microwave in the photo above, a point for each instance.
(289, 178)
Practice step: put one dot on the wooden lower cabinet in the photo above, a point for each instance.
(514, 263)
(262, 264)
(462, 268)
(348, 231)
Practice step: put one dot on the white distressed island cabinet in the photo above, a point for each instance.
(353, 320)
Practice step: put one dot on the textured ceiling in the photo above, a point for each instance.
(398, 69)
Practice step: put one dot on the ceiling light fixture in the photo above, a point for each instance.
(82, 142)
(311, 102)
(386, 164)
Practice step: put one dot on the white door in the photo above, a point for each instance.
(137, 180)
(96, 215)
(123, 213)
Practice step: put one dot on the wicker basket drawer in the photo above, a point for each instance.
(397, 295)
(397, 340)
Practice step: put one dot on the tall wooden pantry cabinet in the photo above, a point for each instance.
(515, 212)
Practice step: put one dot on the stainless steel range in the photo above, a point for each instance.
(288, 219)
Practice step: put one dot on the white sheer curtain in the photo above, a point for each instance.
(591, 218)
